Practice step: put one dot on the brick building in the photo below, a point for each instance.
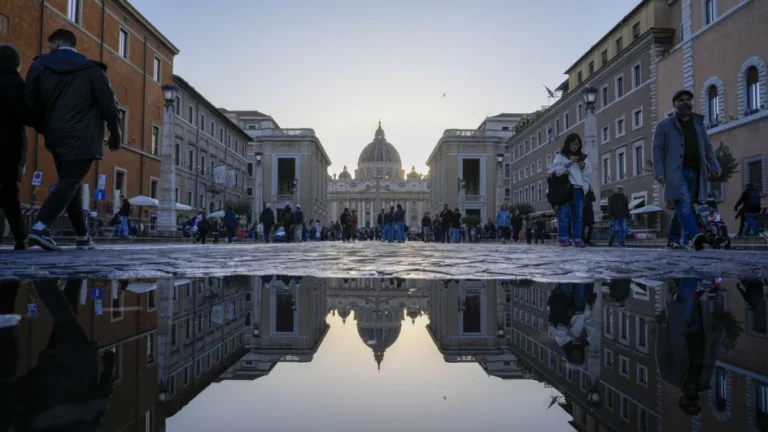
(139, 60)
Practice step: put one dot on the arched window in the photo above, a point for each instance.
(713, 103)
(721, 389)
(753, 89)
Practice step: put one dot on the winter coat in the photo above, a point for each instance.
(353, 224)
(267, 217)
(230, 219)
(517, 222)
(298, 217)
(446, 216)
(287, 217)
(125, 209)
(400, 215)
(668, 152)
(503, 218)
(13, 136)
(426, 222)
(577, 176)
(69, 98)
(389, 217)
(380, 218)
(748, 195)
(540, 225)
(345, 219)
(618, 206)
(567, 326)
(588, 214)
(456, 220)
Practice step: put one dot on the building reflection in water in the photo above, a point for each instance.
(618, 355)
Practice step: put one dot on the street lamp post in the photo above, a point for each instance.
(462, 193)
(590, 146)
(499, 179)
(258, 201)
(166, 215)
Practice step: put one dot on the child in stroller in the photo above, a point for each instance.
(712, 226)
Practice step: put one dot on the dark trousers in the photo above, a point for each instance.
(447, 234)
(201, 235)
(9, 201)
(67, 195)
(515, 234)
(288, 233)
(539, 236)
(504, 233)
(528, 235)
(587, 233)
(267, 230)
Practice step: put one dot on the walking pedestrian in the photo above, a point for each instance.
(344, 225)
(69, 99)
(382, 225)
(750, 203)
(230, 223)
(125, 213)
(203, 228)
(216, 227)
(503, 221)
(618, 212)
(353, 225)
(298, 224)
(571, 320)
(588, 217)
(456, 225)
(13, 137)
(517, 226)
(572, 161)
(528, 229)
(446, 216)
(426, 227)
(390, 220)
(400, 223)
(683, 159)
(267, 220)
(540, 226)
(287, 221)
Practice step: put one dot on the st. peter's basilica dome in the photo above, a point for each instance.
(379, 158)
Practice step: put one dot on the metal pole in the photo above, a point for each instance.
(590, 148)
(166, 215)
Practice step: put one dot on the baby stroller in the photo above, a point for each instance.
(712, 226)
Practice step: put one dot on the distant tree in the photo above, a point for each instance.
(241, 208)
(471, 220)
(522, 209)
(727, 162)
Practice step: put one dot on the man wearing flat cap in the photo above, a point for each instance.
(684, 161)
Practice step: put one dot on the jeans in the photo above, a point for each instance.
(230, 234)
(390, 232)
(425, 234)
(123, 226)
(539, 236)
(751, 224)
(619, 229)
(383, 232)
(455, 235)
(569, 216)
(400, 232)
(9, 202)
(684, 219)
(67, 195)
(447, 234)
(686, 293)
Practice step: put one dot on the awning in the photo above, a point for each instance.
(139, 288)
(647, 209)
(143, 201)
(604, 202)
(217, 214)
(635, 202)
(183, 207)
(179, 282)
(543, 213)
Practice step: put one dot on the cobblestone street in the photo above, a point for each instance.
(369, 259)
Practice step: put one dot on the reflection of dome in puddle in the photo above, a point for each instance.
(378, 330)
(344, 314)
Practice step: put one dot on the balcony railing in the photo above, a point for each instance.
(478, 133)
(280, 132)
(280, 199)
(473, 198)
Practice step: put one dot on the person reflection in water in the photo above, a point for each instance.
(688, 342)
(64, 391)
(571, 321)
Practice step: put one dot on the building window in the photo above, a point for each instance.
(710, 11)
(713, 105)
(639, 158)
(624, 366)
(249, 191)
(608, 358)
(591, 67)
(635, 31)
(637, 76)
(641, 334)
(156, 69)
(221, 135)
(176, 195)
(584, 378)
(514, 154)
(229, 140)
(566, 121)
(642, 419)
(177, 104)
(538, 166)
(191, 161)
(620, 87)
(189, 198)
(623, 318)
(122, 47)
(579, 113)
(605, 96)
(153, 188)
(753, 90)
(637, 119)
(721, 389)
(608, 317)
(568, 372)
(580, 77)
(549, 161)
(642, 375)
(202, 165)
(755, 173)
(606, 171)
(150, 348)
(619, 44)
(557, 127)
(624, 408)
(540, 190)
(525, 172)
(154, 149)
(604, 57)
(73, 10)
(538, 140)
(610, 395)
(514, 177)
(177, 155)
(620, 127)
(191, 115)
(123, 122)
(605, 135)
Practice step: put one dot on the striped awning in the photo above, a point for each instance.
(635, 202)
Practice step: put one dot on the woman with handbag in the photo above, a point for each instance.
(571, 161)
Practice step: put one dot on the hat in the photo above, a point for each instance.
(269, 205)
(287, 204)
(680, 93)
(620, 187)
(298, 206)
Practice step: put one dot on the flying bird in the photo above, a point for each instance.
(444, 398)
(444, 94)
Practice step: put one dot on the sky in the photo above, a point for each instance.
(340, 66)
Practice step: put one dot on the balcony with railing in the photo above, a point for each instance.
(474, 198)
(477, 133)
(299, 132)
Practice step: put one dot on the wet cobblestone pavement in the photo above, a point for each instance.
(372, 259)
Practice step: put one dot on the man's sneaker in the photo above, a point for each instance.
(699, 241)
(84, 243)
(565, 243)
(43, 239)
(579, 244)
(676, 245)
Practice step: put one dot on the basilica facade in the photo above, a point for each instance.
(379, 183)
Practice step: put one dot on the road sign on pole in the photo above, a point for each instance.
(99, 195)
(37, 178)
(102, 184)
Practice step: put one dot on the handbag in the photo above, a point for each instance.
(560, 189)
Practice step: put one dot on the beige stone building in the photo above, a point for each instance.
(720, 55)
(285, 166)
(379, 182)
(621, 65)
(464, 171)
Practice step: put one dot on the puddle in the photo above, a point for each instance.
(304, 353)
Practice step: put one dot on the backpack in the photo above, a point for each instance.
(560, 189)
(753, 199)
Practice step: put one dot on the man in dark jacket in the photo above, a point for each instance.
(618, 212)
(298, 223)
(517, 226)
(456, 225)
(287, 220)
(230, 223)
(446, 216)
(588, 217)
(69, 98)
(267, 219)
(400, 223)
(540, 226)
(125, 212)
(13, 138)
(382, 227)
(426, 226)
(750, 199)
(344, 222)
